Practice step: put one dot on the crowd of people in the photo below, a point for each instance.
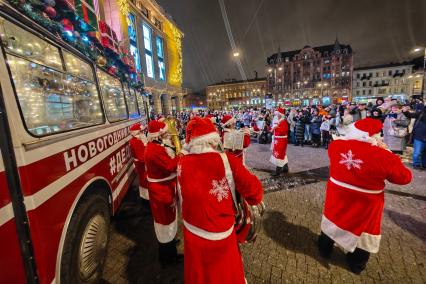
(207, 181)
(403, 123)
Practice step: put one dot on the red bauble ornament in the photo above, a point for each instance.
(50, 11)
(67, 25)
(112, 70)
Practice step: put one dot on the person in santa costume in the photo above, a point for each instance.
(205, 180)
(279, 144)
(161, 176)
(137, 147)
(228, 125)
(359, 165)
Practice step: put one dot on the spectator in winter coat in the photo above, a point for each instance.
(393, 126)
(292, 125)
(325, 131)
(419, 138)
(300, 120)
(315, 128)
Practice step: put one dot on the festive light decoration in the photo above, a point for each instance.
(174, 44)
(124, 9)
(78, 32)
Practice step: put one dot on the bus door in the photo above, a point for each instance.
(16, 259)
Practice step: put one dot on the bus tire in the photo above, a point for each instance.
(86, 241)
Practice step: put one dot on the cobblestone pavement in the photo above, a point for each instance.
(285, 251)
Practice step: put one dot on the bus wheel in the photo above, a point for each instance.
(86, 242)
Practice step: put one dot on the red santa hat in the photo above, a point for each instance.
(369, 125)
(135, 129)
(211, 117)
(156, 128)
(227, 120)
(280, 111)
(200, 131)
(362, 130)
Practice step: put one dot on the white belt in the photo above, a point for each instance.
(280, 136)
(208, 235)
(353, 187)
(172, 176)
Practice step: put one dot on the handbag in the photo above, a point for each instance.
(248, 219)
(396, 131)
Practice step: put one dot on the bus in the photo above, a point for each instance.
(65, 162)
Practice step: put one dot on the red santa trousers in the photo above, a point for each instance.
(352, 218)
(208, 261)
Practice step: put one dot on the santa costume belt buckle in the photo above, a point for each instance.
(280, 136)
(161, 179)
(356, 188)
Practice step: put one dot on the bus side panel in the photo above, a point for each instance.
(11, 264)
(48, 219)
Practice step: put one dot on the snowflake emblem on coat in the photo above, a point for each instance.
(220, 189)
(349, 161)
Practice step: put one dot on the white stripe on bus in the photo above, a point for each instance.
(6, 214)
(26, 157)
(38, 198)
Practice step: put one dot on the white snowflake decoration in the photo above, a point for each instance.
(276, 153)
(220, 189)
(349, 161)
(179, 170)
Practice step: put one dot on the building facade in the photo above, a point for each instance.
(155, 42)
(311, 75)
(399, 81)
(236, 94)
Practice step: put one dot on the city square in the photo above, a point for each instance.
(285, 251)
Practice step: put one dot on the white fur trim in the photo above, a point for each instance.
(349, 241)
(350, 132)
(206, 234)
(231, 120)
(135, 132)
(212, 136)
(278, 162)
(157, 134)
(166, 233)
(143, 193)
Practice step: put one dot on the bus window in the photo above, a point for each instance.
(141, 105)
(21, 43)
(113, 97)
(77, 67)
(131, 102)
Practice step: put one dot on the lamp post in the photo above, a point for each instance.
(418, 49)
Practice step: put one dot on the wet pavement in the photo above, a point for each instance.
(285, 250)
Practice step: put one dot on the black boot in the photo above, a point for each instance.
(357, 260)
(278, 171)
(325, 245)
(167, 253)
(285, 169)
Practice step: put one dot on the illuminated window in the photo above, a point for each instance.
(134, 51)
(160, 55)
(148, 51)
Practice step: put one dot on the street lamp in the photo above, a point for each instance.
(418, 49)
(236, 53)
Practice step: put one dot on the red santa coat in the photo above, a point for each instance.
(355, 197)
(138, 150)
(238, 153)
(211, 250)
(161, 176)
(279, 147)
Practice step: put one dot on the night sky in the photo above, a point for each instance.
(379, 31)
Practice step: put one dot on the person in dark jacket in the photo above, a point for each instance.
(419, 137)
(300, 120)
(316, 121)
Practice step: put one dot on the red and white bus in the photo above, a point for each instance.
(65, 163)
